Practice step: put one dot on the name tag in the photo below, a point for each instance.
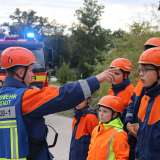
(7, 112)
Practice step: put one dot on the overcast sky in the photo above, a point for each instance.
(118, 13)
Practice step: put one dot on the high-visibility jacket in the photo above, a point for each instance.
(13, 135)
(109, 142)
(83, 123)
(39, 102)
(123, 90)
(148, 137)
(132, 114)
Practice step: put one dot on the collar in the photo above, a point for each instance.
(13, 82)
(81, 112)
(119, 87)
(153, 91)
(117, 123)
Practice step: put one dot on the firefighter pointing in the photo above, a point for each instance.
(22, 127)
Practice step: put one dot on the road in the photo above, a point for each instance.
(63, 127)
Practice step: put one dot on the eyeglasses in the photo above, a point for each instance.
(146, 69)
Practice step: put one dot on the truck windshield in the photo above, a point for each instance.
(40, 59)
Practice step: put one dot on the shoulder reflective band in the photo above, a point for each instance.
(12, 125)
(85, 88)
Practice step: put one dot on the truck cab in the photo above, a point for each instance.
(40, 78)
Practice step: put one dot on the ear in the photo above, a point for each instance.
(20, 72)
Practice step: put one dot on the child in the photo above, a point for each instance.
(109, 140)
(132, 110)
(84, 122)
(121, 86)
(131, 117)
(148, 141)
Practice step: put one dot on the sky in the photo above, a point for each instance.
(117, 13)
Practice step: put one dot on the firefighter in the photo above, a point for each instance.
(148, 141)
(22, 126)
(109, 140)
(121, 86)
(83, 123)
(131, 117)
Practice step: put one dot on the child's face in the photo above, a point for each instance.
(83, 104)
(118, 76)
(148, 75)
(105, 114)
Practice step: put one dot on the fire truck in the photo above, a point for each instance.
(40, 78)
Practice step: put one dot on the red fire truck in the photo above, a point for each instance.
(40, 77)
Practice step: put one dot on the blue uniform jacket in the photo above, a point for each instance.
(39, 102)
(148, 138)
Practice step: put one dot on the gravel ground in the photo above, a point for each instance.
(63, 127)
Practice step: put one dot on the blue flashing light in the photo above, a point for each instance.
(30, 35)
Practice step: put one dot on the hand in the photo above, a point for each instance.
(133, 128)
(107, 75)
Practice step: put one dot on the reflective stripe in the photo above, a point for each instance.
(12, 125)
(110, 152)
(14, 143)
(38, 78)
(13, 159)
(8, 124)
(129, 115)
(85, 88)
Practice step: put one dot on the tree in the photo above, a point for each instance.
(88, 37)
(23, 21)
(51, 33)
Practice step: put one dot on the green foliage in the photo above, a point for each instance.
(88, 37)
(128, 45)
(23, 21)
(90, 14)
(65, 74)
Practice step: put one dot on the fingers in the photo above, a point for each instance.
(106, 75)
(109, 76)
(133, 128)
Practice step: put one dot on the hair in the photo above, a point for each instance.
(125, 74)
(148, 47)
(11, 71)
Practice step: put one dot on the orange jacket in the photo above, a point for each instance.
(109, 142)
(133, 107)
(148, 140)
(84, 122)
(125, 93)
(86, 125)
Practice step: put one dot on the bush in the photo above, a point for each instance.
(65, 74)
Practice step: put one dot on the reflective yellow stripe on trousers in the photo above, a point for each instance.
(13, 139)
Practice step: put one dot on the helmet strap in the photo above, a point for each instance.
(24, 75)
(25, 72)
(158, 73)
(125, 74)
